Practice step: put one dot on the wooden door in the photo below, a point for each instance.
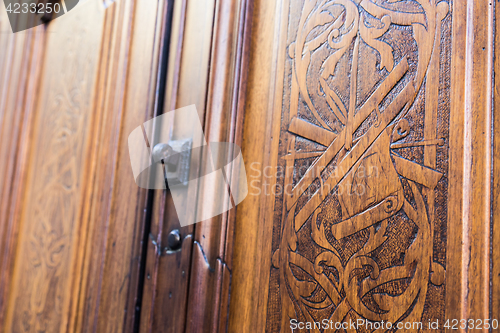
(83, 247)
(373, 167)
(187, 288)
(367, 129)
(72, 217)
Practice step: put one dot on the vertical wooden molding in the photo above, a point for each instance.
(108, 106)
(251, 239)
(495, 199)
(455, 273)
(211, 268)
(17, 152)
(127, 98)
(477, 160)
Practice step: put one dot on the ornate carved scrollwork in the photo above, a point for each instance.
(357, 231)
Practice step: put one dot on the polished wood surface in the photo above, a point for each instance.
(164, 302)
(49, 233)
(73, 217)
(94, 240)
(20, 70)
(189, 289)
(368, 129)
(373, 121)
(495, 198)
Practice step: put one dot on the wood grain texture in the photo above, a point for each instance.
(495, 195)
(478, 112)
(207, 52)
(21, 62)
(40, 296)
(252, 230)
(395, 99)
(71, 233)
(164, 302)
(126, 99)
(415, 114)
(212, 258)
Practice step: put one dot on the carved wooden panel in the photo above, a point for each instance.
(364, 154)
(376, 160)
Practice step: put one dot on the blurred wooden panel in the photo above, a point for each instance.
(164, 302)
(495, 199)
(209, 290)
(127, 97)
(20, 62)
(49, 242)
(414, 105)
(71, 93)
(188, 290)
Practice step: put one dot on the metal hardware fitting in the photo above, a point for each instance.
(176, 156)
(174, 240)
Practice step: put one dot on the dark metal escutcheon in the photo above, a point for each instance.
(174, 240)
